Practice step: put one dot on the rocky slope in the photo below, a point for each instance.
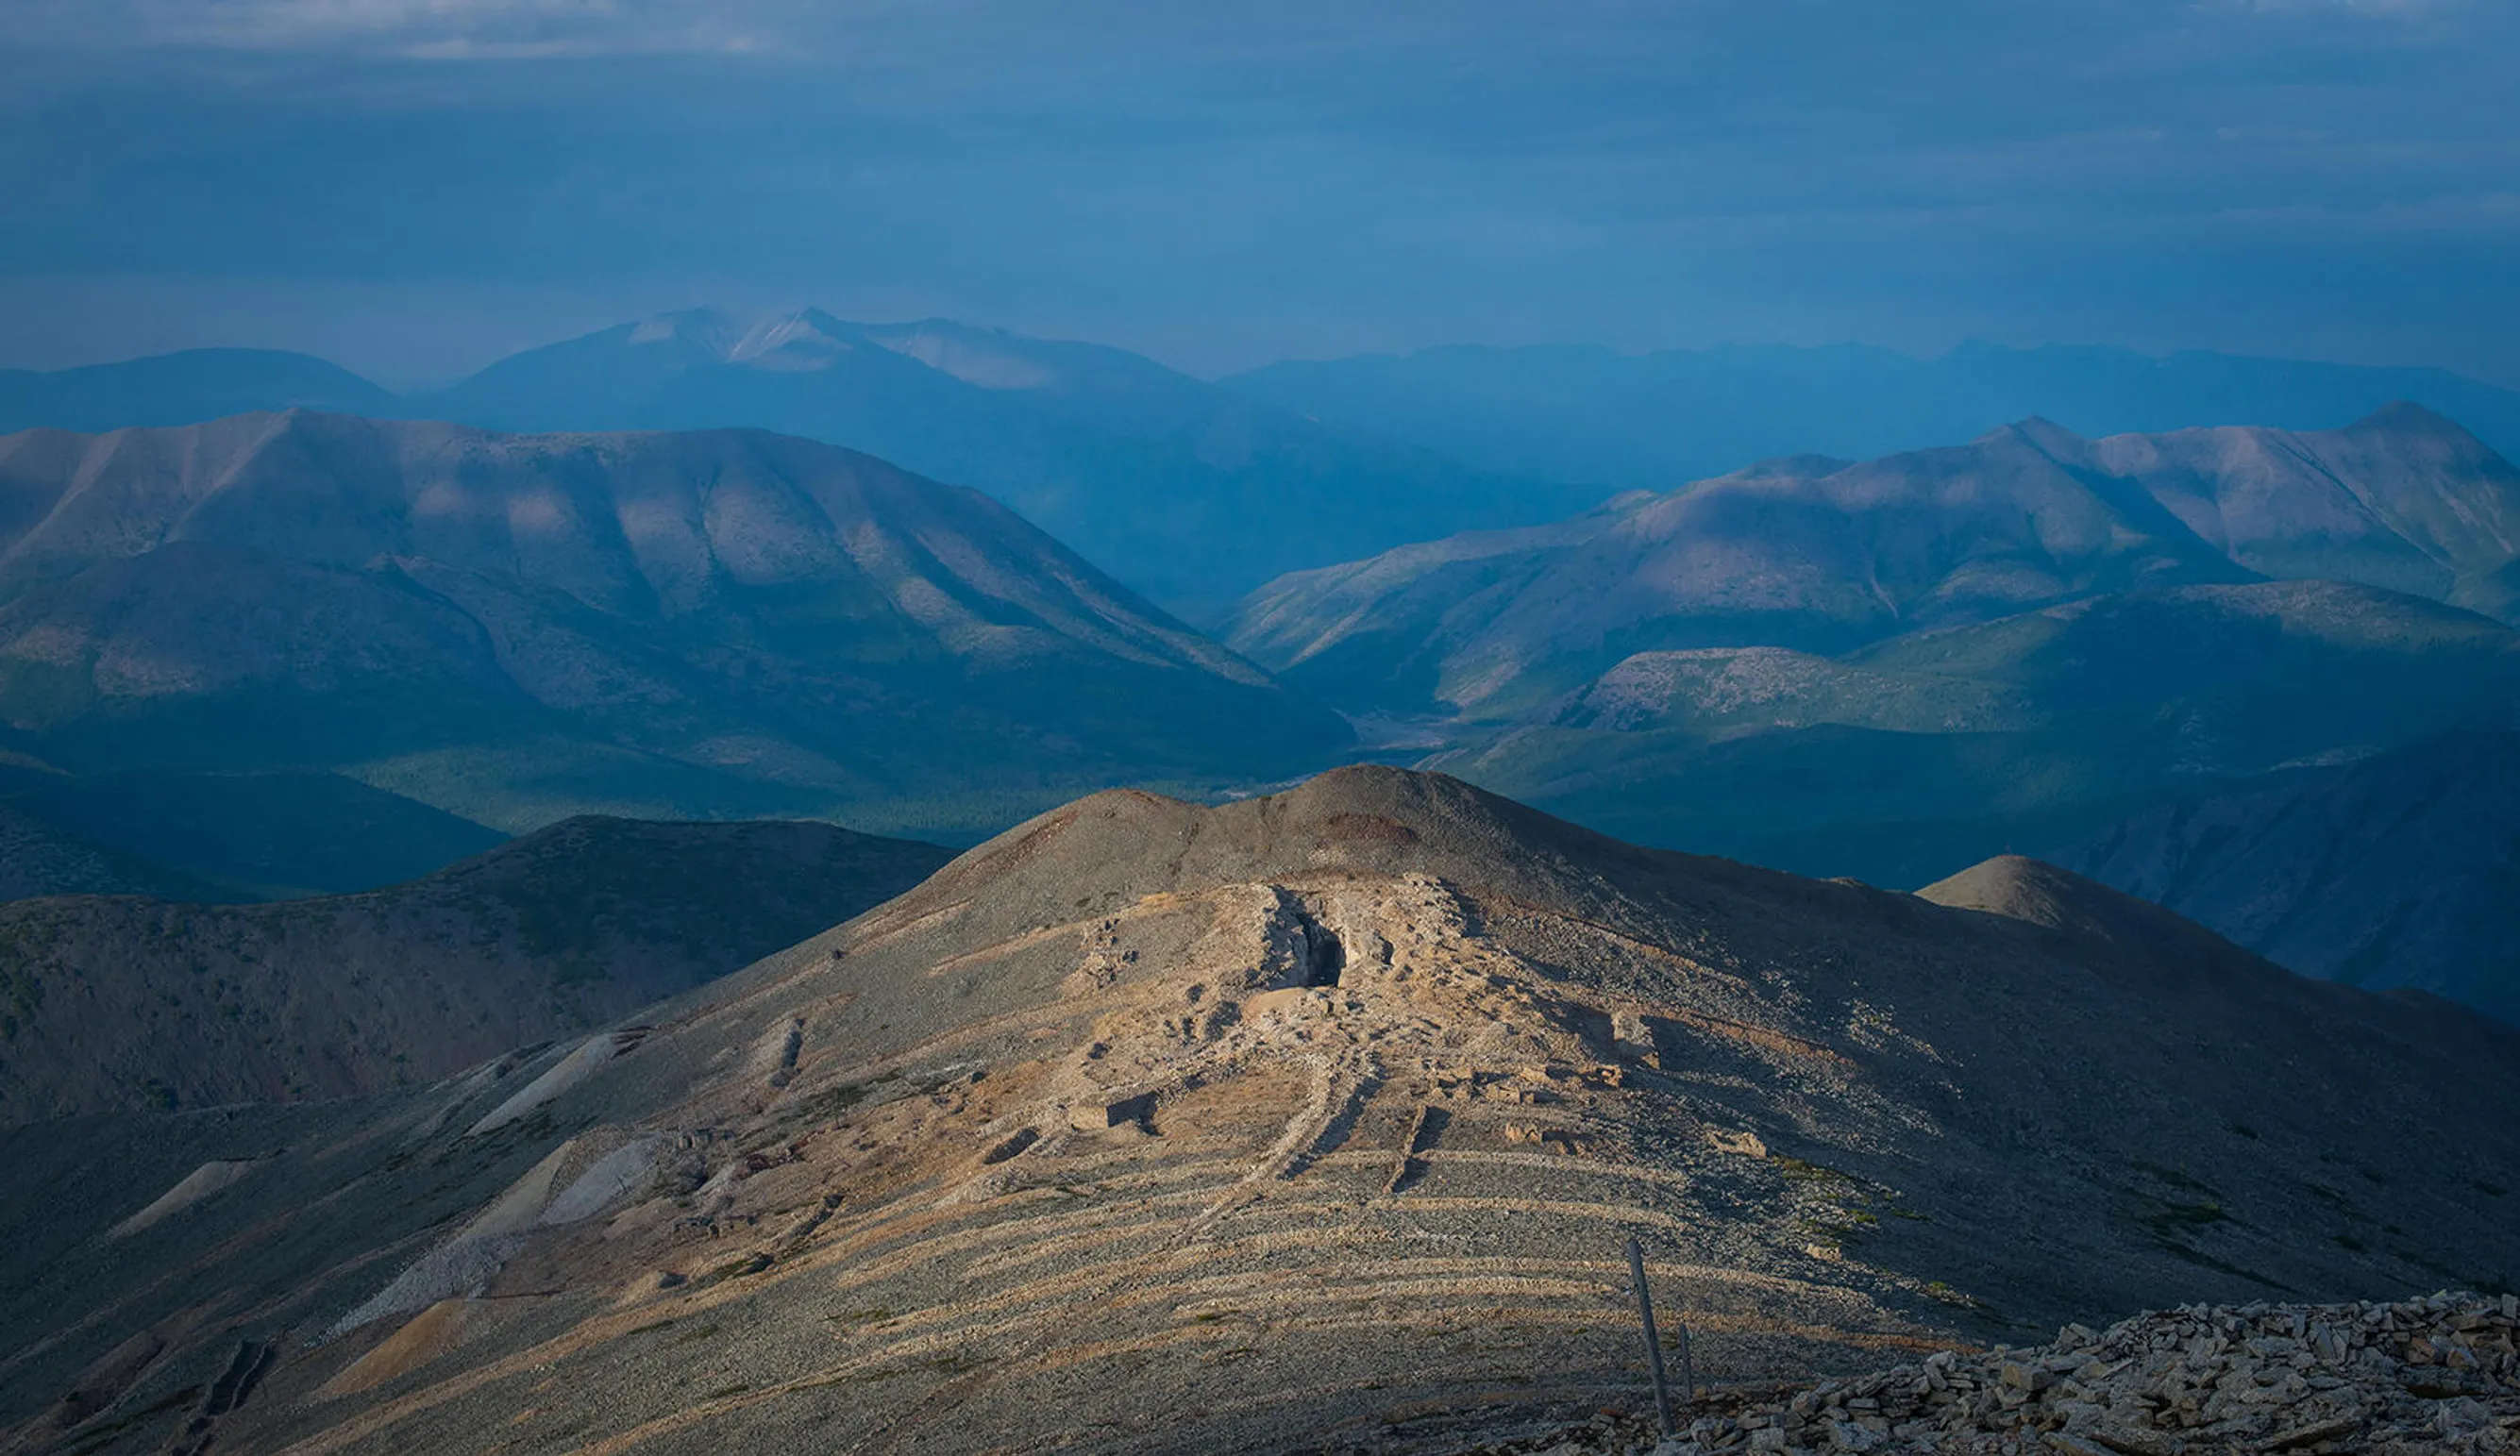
(113, 1001)
(2400, 870)
(1822, 556)
(1286, 1123)
(2425, 1377)
(515, 628)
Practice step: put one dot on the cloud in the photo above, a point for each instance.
(440, 30)
(1383, 171)
(2405, 9)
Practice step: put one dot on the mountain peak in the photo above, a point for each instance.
(793, 338)
(801, 340)
(988, 358)
(2405, 416)
(2045, 433)
(2038, 892)
(708, 331)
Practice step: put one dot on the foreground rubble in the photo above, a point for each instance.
(2436, 1375)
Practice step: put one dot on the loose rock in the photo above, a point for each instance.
(2431, 1377)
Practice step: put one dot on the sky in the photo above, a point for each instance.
(414, 188)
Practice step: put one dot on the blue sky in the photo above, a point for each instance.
(415, 186)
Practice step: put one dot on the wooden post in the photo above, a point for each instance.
(1653, 1342)
(1687, 1371)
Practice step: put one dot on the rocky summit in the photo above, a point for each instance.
(1304, 1122)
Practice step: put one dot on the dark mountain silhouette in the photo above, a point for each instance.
(182, 388)
(112, 1002)
(40, 857)
(268, 835)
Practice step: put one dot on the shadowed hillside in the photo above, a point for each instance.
(2399, 871)
(40, 857)
(268, 835)
(181, 388)
(116, 1001)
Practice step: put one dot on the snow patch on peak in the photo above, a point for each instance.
(968, 356)
(703, 329)
(798, 342)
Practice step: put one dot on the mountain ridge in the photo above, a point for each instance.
(743, 622)
(184, 387)
(2026, 515)
(1085, 439)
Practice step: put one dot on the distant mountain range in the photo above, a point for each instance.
(1820, 554)
(1190, 493)
(2400, 869)
(512, 629)
(1194, 493)
(1658, 418)
(226, 647)
(112, 1002)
